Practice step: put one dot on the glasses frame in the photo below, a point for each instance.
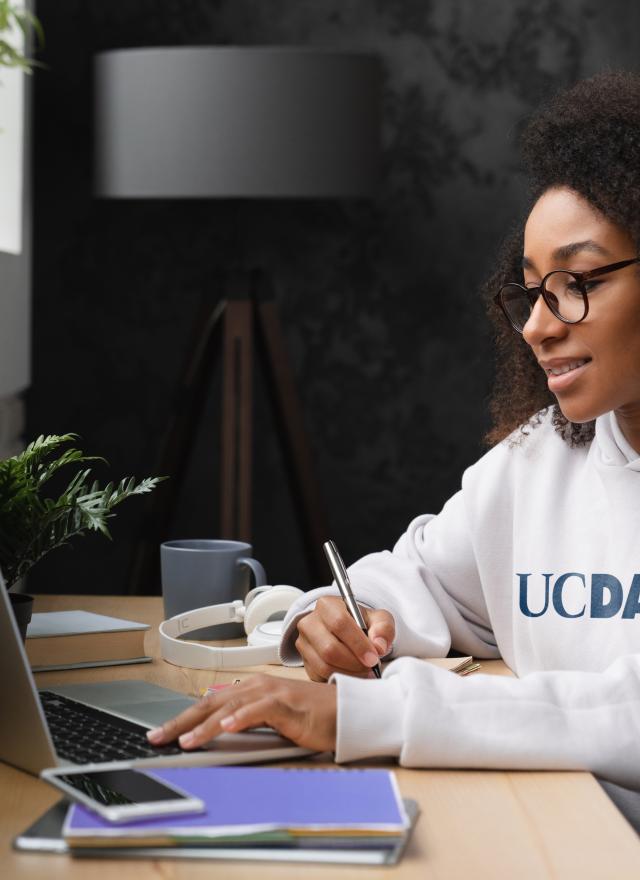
(533, 293)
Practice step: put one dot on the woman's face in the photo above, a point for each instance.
(603, 351)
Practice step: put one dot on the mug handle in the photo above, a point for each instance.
(259, 574)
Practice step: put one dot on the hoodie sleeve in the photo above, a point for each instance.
(561, 720)
(430, 584)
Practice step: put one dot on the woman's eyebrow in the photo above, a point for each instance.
(565, 251)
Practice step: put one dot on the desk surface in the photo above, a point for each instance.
(474, 824)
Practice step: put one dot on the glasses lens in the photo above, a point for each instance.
(564, 296)
(515, 302)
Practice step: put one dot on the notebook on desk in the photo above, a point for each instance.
(102, 721)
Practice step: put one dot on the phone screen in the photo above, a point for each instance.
(120, 787)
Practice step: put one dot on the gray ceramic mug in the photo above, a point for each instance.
(199, 572)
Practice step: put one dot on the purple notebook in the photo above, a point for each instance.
(251, 799)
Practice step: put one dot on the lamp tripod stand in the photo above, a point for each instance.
(244, 323)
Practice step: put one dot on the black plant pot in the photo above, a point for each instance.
(22, 609)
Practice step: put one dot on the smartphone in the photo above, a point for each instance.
(120, 793)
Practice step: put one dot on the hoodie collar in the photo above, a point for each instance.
(615, 449)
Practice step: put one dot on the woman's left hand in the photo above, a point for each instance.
(303, 711)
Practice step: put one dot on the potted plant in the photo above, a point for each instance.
(33, 524)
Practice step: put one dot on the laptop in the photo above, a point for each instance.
(101, 722)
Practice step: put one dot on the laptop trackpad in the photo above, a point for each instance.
(138, 701)
(152, 714)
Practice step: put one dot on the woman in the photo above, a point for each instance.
(536, 559)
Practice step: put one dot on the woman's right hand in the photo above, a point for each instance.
(329, 640)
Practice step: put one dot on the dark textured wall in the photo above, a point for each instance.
(389, 343)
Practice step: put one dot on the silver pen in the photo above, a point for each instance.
(341, 577)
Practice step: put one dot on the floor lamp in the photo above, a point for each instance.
(236, 123)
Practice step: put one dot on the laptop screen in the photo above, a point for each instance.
(24, 736)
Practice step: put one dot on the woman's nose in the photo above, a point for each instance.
(542, 324)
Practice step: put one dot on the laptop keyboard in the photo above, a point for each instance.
(85, 735)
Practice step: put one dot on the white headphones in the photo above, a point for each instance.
(262, 613)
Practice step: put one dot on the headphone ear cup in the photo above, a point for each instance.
(266, 634)
(256, 591)
(272, 604)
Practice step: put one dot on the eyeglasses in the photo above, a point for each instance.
(565, 293)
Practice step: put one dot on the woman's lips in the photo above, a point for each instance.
(562, 381)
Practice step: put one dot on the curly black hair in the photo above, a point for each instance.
(586, 138)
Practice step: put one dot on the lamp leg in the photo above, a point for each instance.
(179, 437)
(237, 420)
(293, 437)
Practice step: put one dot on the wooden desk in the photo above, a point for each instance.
(474, 824)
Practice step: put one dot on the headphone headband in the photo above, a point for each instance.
(209, 615)
(259, 609)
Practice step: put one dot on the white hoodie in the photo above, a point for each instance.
(535, 560)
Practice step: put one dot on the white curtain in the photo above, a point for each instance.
(11, 157)
(15, 244)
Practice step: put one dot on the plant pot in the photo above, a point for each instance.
(22, 606)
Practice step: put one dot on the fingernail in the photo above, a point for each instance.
(155, 735)
(381, 645)
(227, 722)
(370, 659)
(186, 739)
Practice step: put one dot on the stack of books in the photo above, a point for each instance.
(257, 813)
